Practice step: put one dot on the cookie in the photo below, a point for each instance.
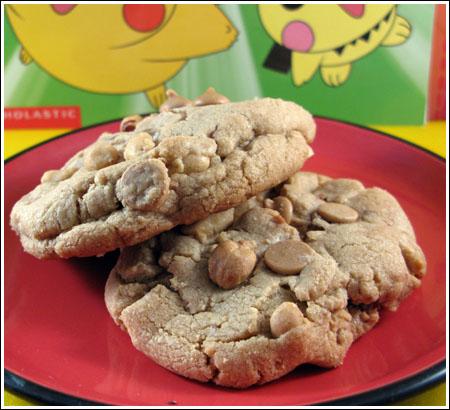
(244, 297)
(176, 167)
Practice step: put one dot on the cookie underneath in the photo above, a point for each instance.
(316, 284)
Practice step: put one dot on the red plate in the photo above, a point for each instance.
(58, 334)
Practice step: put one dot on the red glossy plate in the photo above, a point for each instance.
(61, 345)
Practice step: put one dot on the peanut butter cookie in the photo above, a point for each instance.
(243, 297)
(175, 167)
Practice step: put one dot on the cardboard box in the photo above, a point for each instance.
(86, 64)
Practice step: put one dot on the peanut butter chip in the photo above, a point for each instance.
(138, 145)
(100, 155)
(174, 101)
(144, 185)
(231, 263)
(56, 175)
(195, 163)
(339, 213)
(129, 123)
(288, 257)
(268, 203)
(285, 317)
(284, 207)
(314, 235)
(211, 97)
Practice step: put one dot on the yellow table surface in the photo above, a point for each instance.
(431, 136)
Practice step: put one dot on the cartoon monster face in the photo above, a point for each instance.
(317, 28)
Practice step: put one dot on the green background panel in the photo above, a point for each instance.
(387, 86)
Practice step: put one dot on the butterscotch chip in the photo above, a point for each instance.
(339, 213)
(231, 263)
(268, 203)
(342, 336)
(186, 154)
(56, 175)
(174, 101)
(285, 317)
(365, 316)
(284, 207)
(246, 206)
(129, 123)
(206, 229)
(211, 97)
(288, 257)
(196, 163)
(101, 155)
(314, 235)
(144, 185)
(145, 268)
(138, 145)
(277, 218)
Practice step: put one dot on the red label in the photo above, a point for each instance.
(43, 117)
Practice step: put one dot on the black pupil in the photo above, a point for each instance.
(292, 6)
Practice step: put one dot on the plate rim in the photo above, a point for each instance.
(383, 395)
(386, 394)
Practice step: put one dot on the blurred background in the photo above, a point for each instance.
(77, 65)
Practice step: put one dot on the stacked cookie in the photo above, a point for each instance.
(234, 267)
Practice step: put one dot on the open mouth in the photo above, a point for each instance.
(279, 57)
(366, 36)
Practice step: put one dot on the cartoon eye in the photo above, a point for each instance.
(62, 8)
(144, 17)
(292, 6)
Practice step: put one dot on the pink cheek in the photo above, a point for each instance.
(63, 8)
(298, 36)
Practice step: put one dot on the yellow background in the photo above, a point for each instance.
(431, 136)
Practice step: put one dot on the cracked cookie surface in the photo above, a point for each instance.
(317, 285)
(173, 168)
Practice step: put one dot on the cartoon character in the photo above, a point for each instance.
(117, 48)
(328, 37)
